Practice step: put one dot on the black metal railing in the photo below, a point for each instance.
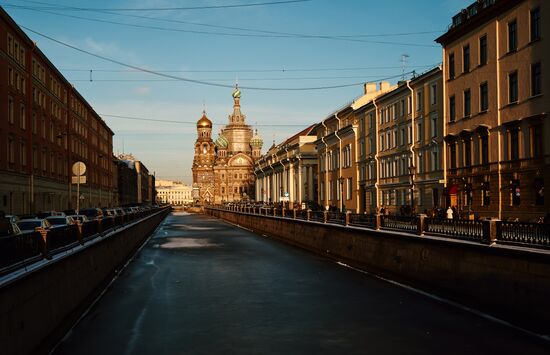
(481, 231)
(362, 220)
(22, 249)
(403, 223)
(458, 228)
(525, 233)
(336, 217)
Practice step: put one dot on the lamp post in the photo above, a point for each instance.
(100, 178)
(341, 181)
(60, 135)
(412, 171)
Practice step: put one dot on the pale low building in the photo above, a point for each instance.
(288, 172)
(174, 192)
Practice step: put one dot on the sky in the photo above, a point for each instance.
(284, 55)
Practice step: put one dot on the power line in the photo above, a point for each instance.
(194, 122)
(209, 7)
(193, 80)
(265, 34)
(272, 34)
(242, 70)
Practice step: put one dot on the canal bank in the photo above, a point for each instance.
(203, 286)
(510, 283)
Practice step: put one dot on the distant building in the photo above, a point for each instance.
(223, 171)
(496, 111)
(287, 172)
(143, 190)
(174, 192)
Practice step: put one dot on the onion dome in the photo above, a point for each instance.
(204, 122)
(222, 142)
(256, 141)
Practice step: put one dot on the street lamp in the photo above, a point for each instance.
(100, 178)
(341, 181)
(60, 136)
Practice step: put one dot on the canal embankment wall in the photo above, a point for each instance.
(39, 306)
(511, 283)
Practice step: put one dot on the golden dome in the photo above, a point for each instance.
(204, 122)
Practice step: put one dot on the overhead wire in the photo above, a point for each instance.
(260, 33)
(144, 70)
(194, 122)
(186, 8)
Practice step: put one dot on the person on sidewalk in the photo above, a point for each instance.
(449, 213)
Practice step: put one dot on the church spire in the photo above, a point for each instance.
(236, 117)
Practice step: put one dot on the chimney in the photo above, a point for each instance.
(384, 86)
(369, 88)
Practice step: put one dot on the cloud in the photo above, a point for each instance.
(141, 90)
(110, 49)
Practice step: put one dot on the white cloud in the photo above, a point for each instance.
(142, 90)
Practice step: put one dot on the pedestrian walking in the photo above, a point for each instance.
(449, 213)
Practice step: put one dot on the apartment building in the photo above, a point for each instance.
(46, 127)
(496, 114)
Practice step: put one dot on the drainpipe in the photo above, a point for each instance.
(340, 182)
(413, 171)
(282, 177)
(272, 178)
(263, 183)
(290, 179)
(376, 158)
(326, 166)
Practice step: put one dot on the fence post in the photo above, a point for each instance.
(308, 214)
(421, 224)
(274, 212)
(378, 221)
(490, 230)
(348, 213)
(325, 216)
(79, 232)
(283, 211)
(294, 213)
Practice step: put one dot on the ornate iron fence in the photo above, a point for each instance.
(362, 220)
(403, 223)
(456, 228)
(537, 234)
(336, 218)
(318, 216)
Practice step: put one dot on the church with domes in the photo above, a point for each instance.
(223, 170)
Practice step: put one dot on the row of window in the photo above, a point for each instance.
(482, 44)
(334, 190)
(16, 50)
(513, 93)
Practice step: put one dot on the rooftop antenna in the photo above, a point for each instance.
(404, 59)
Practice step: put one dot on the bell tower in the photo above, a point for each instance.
(203, 162)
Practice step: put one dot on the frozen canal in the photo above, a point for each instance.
(201, 286)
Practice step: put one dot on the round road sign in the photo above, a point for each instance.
(79, 168)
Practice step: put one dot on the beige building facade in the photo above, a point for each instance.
(287, 173)
(495, 109)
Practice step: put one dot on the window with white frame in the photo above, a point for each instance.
(349, 188)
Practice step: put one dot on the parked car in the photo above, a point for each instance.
(29, 225)
(60, 220)
(92, 213)
(80, 218)
(45, 214)
(8, 227)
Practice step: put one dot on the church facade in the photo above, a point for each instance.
(223, 170)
